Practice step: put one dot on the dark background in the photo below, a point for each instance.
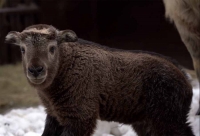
(125, 24)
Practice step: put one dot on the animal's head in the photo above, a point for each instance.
(40, 51)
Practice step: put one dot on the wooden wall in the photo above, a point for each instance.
(125, 24)
(15, 16)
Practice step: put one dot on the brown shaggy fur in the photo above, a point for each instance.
(91, 82)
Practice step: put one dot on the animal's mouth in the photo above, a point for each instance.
(37, 80)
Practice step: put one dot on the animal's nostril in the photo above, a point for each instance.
(39, 69)
(31, 70)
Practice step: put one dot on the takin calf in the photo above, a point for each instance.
(80, 81)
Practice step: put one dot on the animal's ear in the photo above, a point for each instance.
(67, 36)
(13, 37)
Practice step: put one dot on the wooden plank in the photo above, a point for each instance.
(20, 9)
(15, 19)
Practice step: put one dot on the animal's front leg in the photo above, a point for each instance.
(52, 127)
(79, 128)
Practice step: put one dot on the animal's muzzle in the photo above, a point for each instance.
(35, 71)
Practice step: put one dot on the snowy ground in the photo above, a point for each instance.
(30, 122)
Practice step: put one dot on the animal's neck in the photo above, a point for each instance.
(65, 64)
(65, 59)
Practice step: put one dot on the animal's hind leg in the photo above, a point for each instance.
(169, 119)
(162, 129)
(141, 129)
(174, 129)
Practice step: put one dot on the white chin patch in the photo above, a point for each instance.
(37, 81)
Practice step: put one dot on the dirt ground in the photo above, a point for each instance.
(15, 92)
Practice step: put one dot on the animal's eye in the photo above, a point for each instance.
(52, 49)
(22, 50)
